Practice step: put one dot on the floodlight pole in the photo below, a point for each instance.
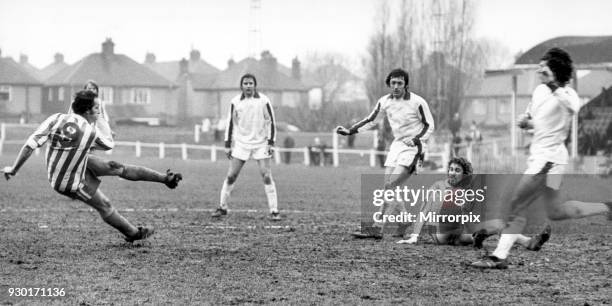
(513, 140)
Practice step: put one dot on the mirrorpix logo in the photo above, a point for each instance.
(451, 200)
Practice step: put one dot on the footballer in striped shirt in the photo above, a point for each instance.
(70, 138)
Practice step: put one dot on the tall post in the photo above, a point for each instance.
(513, 136)
(306, 156)
(574, 148)
(184, 151)
(138, 149)
(213, 153)
(162, 150)
(335, 148)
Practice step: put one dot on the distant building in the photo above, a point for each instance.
(53, 68)
(129, 89)
(489, 102)
(192, 105)
(24, 62)
(20, 91)
(283, 90)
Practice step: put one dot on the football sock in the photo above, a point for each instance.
(137, 173)
(226, 191)
(504, 245)
(119, 222)
(272, 197)
(523, 240)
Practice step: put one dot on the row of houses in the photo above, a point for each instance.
(174, 92)
(191, 89)
(489, 102)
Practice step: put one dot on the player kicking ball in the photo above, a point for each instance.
(549, 115)
(250, 134)
(70, 137)
(411, 123)
(103, 167)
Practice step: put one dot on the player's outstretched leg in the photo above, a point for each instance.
(111, 216)
(228, 186)
(102, 167)
(270, 188)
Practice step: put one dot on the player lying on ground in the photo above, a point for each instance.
(70, 137)
(411, 123)
(549, 115)
(250, 134)
(104, 167)
(460, 176)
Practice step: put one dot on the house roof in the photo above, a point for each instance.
(13, 73)
(170, 70)
(109, 69)
(265, 70)
(590, 84)
(583, 49)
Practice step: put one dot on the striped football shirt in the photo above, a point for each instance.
(69, 137)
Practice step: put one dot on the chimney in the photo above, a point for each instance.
(296, 72)
(183, 67)
(149, 58)
(59, 58)
(108, 47)
(268, 61)
(230, 62)
(194, 55)
(23, 59)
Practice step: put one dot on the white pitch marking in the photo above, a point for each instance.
(173, 209)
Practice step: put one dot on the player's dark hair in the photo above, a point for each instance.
(398, 73)
(92, 83)
(83, 101)
(560, 63)
(248, 76)
(465, 164)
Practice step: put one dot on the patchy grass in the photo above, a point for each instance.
(308, 258)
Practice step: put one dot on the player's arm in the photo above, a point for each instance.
(36, 140)
(229, 129)
(272, 136)
(103, 141)
(355, 128)
(568, 98)
(428, 124)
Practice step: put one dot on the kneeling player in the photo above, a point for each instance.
(460, 176)
(71, 136)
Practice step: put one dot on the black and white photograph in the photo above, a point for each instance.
(205, 152)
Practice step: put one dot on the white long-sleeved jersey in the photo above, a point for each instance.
(250, 122)
(409, 117)
(551, 114)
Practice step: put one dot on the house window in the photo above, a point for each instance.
(503, 107)
(140, 96)
(479, 107)
(5, 93)
(106, 95)
(60, 94)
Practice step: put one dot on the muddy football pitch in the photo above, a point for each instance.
(50, 241)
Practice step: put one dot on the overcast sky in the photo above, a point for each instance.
(219, 29)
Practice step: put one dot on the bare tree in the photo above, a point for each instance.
(434, 41)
